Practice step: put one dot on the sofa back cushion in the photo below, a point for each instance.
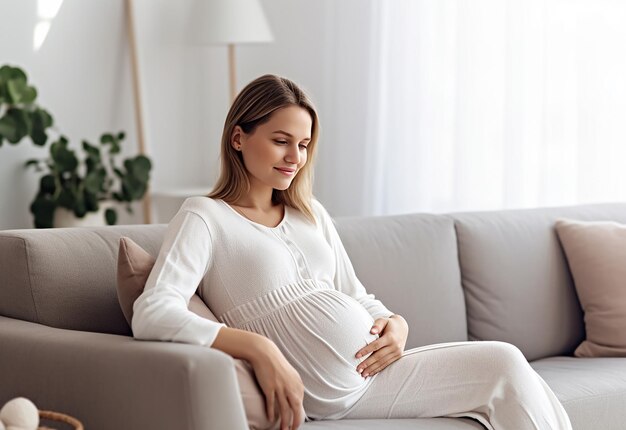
(517, 285)
(66, 277)
(410, 263)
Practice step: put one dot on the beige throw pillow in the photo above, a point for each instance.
(596, 254)
(133, 267)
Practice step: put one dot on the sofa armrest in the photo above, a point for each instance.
(116, 382)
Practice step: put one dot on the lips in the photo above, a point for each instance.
(287, 171)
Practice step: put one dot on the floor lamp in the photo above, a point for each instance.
(228, 22)
(130, 21)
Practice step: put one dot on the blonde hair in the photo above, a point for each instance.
(253, 106)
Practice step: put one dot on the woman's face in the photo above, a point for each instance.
(275, 151)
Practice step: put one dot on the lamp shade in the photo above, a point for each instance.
(227, 22)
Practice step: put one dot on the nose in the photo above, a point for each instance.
(293, 154)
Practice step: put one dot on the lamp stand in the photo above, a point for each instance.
(147, 201)
(232, 68)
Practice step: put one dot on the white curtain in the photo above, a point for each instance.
(491, 104)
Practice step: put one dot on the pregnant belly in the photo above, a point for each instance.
(320, 334)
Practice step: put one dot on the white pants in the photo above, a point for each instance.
(489, 381)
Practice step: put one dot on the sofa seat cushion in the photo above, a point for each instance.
(592, 390)
(396, 424)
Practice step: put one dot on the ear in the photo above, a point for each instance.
(237, 138)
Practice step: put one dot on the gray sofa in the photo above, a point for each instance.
(64, 342)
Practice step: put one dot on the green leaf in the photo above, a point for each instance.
(94, 181)
(5, 73)
(29, 94)
(91, 201)
(38, 136)
(109, 139)
(141, 168)
(40, 120)
(8, 128)
(12, 126)
(106, 138)
(67, 199)
(130, 188)
(115, 148)
(80, 208)
(24, 122)
(35, 163)
(127, 189)
(63, 157)
(46, 117)
(15, 73)
(91, 150)
(111, 216)
(135, 181)
(93, 160)
(47, 184)
(38, 131)
(31, 162)
(15, 124)
(140, 190)
(42, 208)
(17, 90)
(106, 180)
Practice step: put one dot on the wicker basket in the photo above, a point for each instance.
(71, 422)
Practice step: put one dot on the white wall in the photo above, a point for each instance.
(82, 72)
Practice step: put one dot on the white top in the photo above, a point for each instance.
(292, 283)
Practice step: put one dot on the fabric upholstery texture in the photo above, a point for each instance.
(65, 277)
(592, 390)
(516, 280)
(425, 283)
(596, 253)
(112, 381)
(133, 267)
(57, 291)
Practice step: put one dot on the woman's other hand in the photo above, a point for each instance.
(387, 348)
(281, 384)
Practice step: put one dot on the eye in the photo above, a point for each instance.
(281, 141)
(303, 146)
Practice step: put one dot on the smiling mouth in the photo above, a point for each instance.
(285, 172)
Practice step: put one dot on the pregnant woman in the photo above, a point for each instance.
(266, 258)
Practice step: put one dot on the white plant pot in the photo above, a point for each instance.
(66, 218)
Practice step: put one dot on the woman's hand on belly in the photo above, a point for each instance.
(387, 348)
(280, 384)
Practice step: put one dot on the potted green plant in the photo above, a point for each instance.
(69, 187)
(82, 186)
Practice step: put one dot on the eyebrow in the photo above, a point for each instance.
(288, 134)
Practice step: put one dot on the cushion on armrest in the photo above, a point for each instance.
(133, 268)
